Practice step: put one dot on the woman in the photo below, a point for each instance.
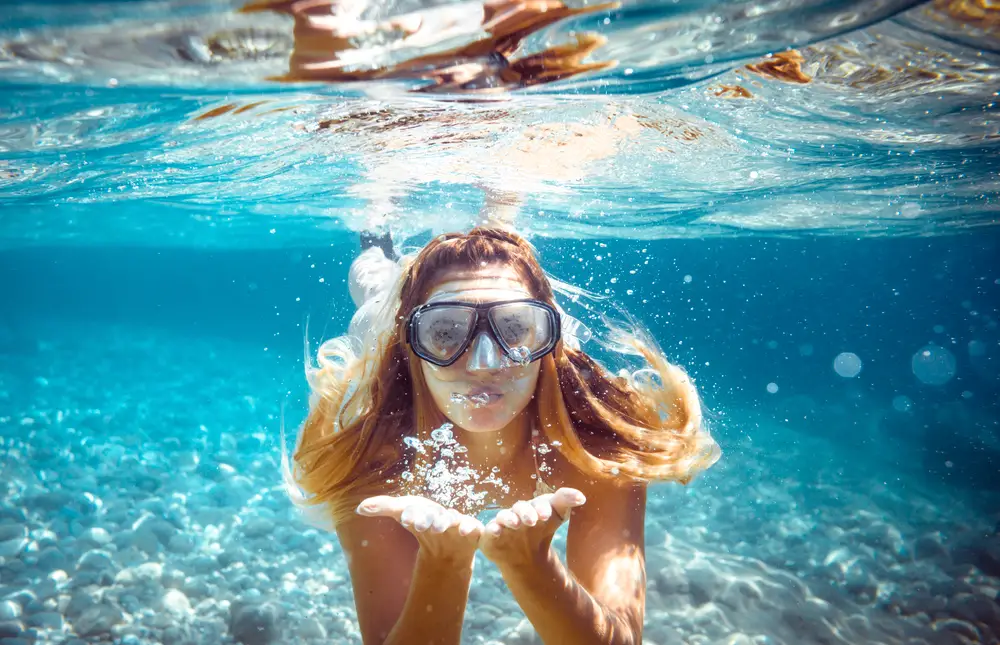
(458, 391)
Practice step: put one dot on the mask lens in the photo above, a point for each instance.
(441, 331)
(523, 324)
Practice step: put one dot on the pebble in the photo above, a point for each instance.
(9, 610)
(176, 602)
(13, 547)
(181, 544)
(95, 560)
(12, 531)
(46, 619)
(256, 527)
(148, 572)
(162, 529)
(98, 620)
(10, 628)
(704, 582)
(51, 558)
(254, 624)
(96, 536)
(524, 634)
(311, 628)
(80, 601)
(929, 547)
(44, 537)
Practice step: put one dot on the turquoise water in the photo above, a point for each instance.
(820, 256)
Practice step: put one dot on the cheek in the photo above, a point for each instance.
(433, 377)
(522, 386)
(441, 376)
(442, 383)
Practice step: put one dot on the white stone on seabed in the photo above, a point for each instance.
(97, 535)
(59, 576)
(150, 571)
(9, 610)
(95, 559)
(175, 601)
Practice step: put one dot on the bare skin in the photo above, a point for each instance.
(597, 596)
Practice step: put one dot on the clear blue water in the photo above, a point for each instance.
(156, 272)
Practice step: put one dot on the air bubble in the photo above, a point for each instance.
(443, 434)
(847, 364)
(933, 365)
(520, 355)
(413, 442)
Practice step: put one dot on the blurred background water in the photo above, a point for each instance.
(798, 198)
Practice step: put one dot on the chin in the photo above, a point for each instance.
(482, 420)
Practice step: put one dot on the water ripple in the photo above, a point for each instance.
(158, 124)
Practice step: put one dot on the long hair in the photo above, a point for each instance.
(369, 393)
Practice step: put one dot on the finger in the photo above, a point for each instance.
(543, 507)
(526, 513)
(444, 520)
(408, 515)
(469, 525)
(423, 517)
(417, 516)
(382, 506)
(508, 519)
(565, 499)
(493, 528)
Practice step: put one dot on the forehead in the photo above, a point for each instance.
(489, 283)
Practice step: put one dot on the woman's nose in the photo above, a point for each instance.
(484, 354)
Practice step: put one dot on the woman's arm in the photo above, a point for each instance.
(408, 589)
(600, 598)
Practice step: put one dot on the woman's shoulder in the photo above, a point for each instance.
(563, 474)
(556, 471)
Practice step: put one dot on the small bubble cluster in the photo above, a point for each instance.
(520, 355)
(476, 400)
(449, 480)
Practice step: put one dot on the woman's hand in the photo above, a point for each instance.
(443, 534)
(521, 535)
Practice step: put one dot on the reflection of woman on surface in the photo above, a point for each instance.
(463, 388)
(332, 41)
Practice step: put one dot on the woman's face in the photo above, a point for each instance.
(483, 390)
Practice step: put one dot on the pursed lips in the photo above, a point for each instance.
(490, 391)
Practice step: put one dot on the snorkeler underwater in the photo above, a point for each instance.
(500, 322)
